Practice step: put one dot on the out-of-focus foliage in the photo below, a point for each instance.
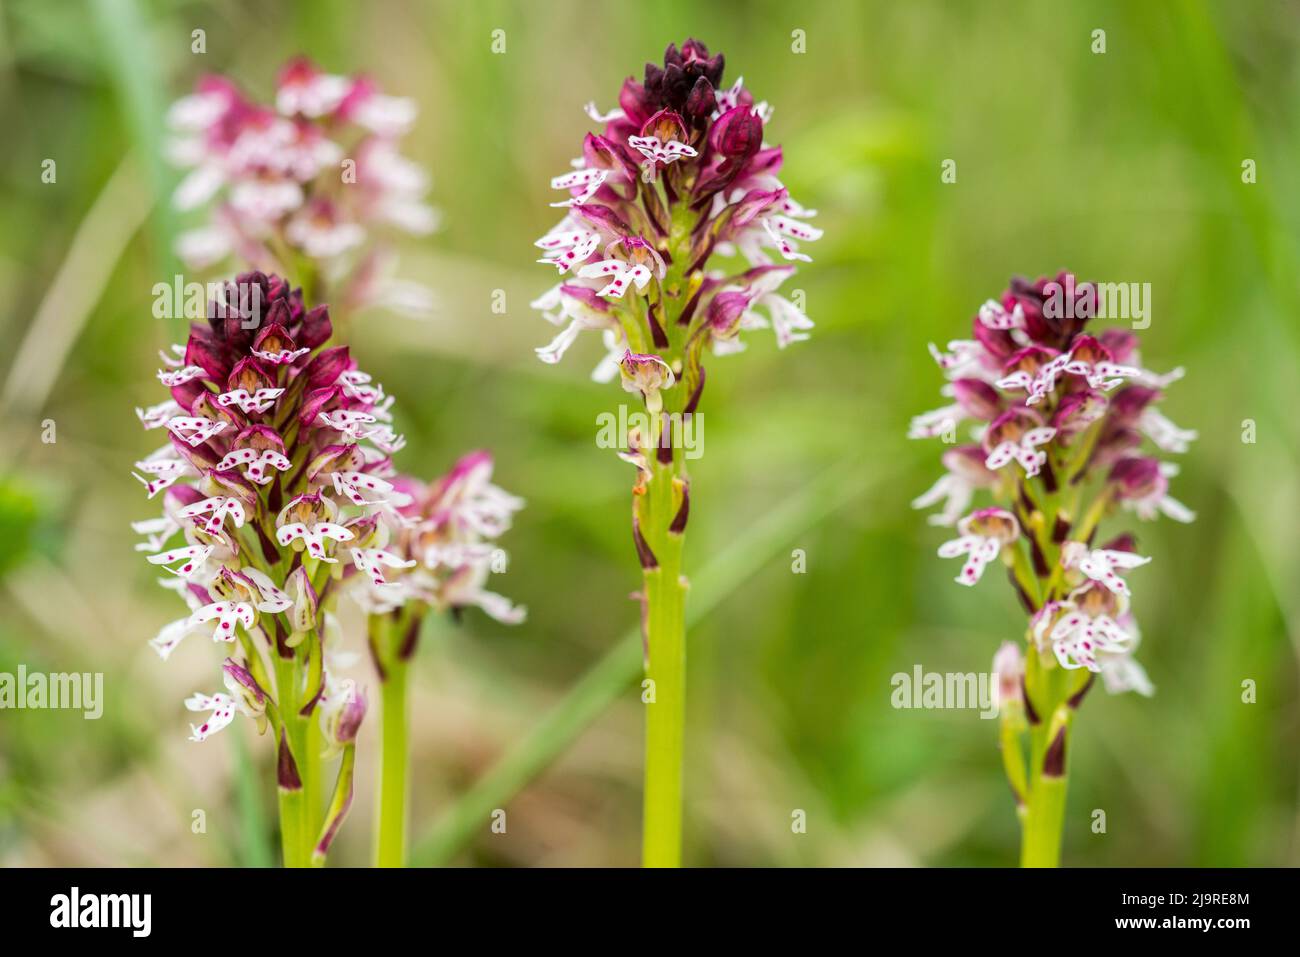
(1123, 166)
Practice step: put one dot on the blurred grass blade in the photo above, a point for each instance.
(132, 64)
(601, 686)
(254, 839)
(96, 247)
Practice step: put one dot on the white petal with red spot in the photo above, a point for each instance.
(195, 429)
(223, 712)
(980, 550)
(170, 636)
(259, 463)
(314, 536)
(283, 357)
(351, 423)
(228, 614)
(256, 402)
(192, 557)
(173, 378)
(578, 254)
(587, 180)
(156, 416)
(355, 485)
(787, 249)
(623, 275)
(1100, 565)
(660, 151)
(272, 600)
(372, 561)
(221, 509)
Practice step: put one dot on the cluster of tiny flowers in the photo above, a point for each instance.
(443, 549)
(309, 178)
(680, 177)
(274, 485)
(1058, 417)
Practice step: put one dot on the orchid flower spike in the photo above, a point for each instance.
(1056, 415)
(318, 172)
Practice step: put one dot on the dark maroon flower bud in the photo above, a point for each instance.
(725, 312)
(315, 328)
(317, 402)
(672, 85)
(1128, 404)
(326, 366)
(350, 717)
(602, 217)
(1121, 343)
(1122, 543)
(700, 104)
(737, 134)
(754, 202)
(1137, 477)
(978, 398)
(998, 342)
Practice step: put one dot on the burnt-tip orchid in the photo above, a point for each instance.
(307, 183)
(268, 508)
(675, 237)
(1057, 415)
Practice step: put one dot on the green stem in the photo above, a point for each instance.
(741, 558)
(313, 738)
(1044, 818)
(1044, 823)
(390, 827)
(294, 836)
(665, 717)
(665, 598)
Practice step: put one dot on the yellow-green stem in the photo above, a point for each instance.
(1044, 820)
(390, 823)
(665, 599)
(295, 831)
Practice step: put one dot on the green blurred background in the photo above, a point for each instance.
(1123, 166)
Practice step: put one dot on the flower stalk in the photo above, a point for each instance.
(659, 505)
(1058, 417)
(672, 212)
(390, 840)
(439, 559)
